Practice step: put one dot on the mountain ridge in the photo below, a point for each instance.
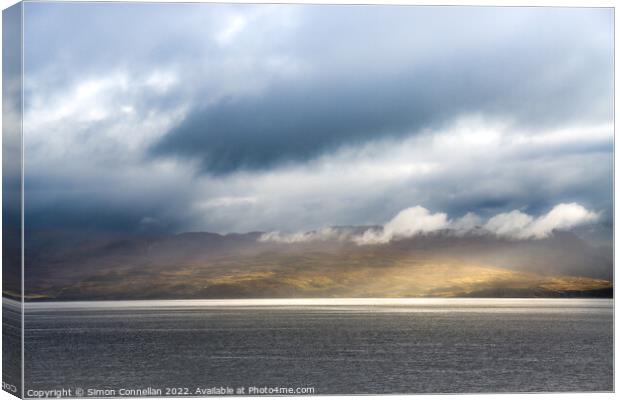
(211, 265)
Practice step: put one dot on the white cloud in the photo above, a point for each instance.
(518, 225)
(564, 136)
(228, 202)
(512, 224)
(418, 220)
(161, 81)
(98, 113)
(324, 234)
(409, 222)
(562, 216)
(235, 25)
(467, 222)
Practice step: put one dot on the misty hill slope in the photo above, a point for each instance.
(207, 265)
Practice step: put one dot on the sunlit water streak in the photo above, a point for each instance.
(359, 304)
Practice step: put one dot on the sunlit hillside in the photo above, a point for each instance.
(203, 265)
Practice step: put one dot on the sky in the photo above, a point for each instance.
(289, 118)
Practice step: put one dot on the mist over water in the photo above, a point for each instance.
(333, 345)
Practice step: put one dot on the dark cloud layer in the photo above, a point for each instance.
(401, 84)
(297, 123)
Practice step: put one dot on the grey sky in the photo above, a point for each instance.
(273, 117)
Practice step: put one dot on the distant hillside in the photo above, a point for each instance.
(206, 265)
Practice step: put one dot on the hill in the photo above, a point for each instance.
(63, 266)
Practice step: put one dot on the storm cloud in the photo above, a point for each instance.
(420, 68)
(237, 118)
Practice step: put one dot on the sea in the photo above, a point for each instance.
(317, 346)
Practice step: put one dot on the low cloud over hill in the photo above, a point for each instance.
(335, 262)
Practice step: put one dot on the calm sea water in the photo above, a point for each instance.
(335, 346)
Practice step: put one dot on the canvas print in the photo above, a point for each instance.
(296, 199)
